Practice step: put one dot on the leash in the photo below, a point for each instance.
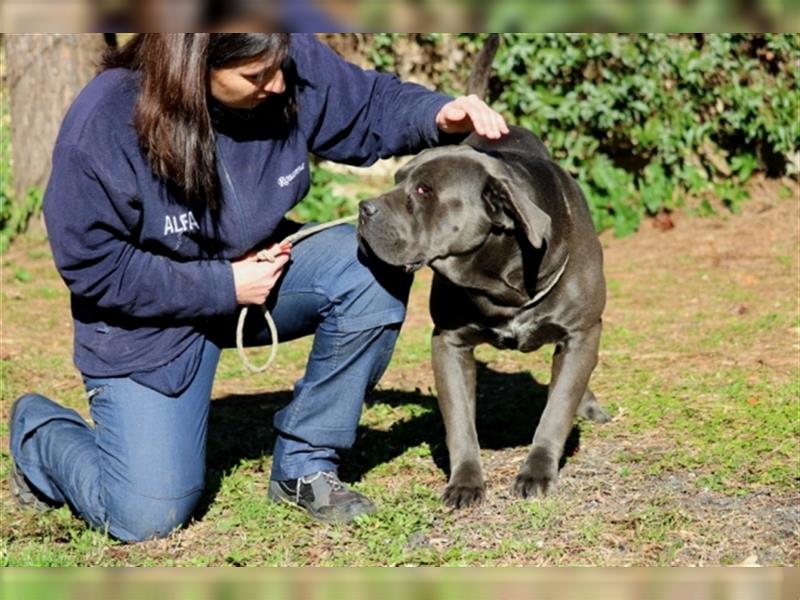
(269, 256)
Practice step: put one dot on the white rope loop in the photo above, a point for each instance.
(268, 255)
(273, 332)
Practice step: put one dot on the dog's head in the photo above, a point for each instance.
(446, 202)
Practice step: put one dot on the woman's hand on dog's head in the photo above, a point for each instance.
(470, 113)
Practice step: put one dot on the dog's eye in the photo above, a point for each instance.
(421, 189)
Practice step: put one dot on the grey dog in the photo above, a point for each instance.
(517, 264)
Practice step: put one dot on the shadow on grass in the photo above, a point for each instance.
(508, 410)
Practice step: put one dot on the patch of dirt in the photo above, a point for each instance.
(656, 520)
(688, 271)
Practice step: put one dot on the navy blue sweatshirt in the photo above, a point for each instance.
(146, 272)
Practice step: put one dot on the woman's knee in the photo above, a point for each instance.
(140, 518)
(364, 302)
(370, 285)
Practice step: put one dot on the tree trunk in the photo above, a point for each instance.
(43, 75)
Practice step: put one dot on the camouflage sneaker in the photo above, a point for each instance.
(24, 495)
(323, 496)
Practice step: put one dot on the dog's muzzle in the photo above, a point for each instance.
(373, 234)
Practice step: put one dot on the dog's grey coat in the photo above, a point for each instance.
(517, 264)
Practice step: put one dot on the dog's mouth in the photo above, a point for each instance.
(414, 266)
(386, 257)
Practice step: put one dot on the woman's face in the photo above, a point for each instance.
(246, 83)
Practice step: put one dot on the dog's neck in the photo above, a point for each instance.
(505, 257)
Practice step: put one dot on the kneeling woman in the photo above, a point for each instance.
(172, 168)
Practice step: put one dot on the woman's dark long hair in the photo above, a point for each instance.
(172, 112)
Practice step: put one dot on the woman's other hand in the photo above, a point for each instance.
(470, 113)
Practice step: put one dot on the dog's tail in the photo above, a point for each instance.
(478, 82)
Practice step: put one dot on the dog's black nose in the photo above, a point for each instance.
(367, 208)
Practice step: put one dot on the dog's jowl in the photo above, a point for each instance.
(517, 264)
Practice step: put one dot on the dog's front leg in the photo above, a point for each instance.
(454, 372)
(573, 363)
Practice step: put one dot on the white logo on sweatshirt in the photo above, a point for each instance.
(285, 180)
(180, 223)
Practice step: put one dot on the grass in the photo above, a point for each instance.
(698, 366)
(735, 432)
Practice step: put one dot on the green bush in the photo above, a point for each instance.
(323, 202)
(641, 120)
(644, 120)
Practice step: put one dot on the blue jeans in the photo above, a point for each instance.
(140, 470)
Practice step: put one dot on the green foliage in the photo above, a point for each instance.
(642, 120)
(380, 52)
(325, 201)
(645, 120)
(15, 216)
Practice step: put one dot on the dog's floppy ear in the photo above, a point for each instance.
(503, 196)
(495, 195)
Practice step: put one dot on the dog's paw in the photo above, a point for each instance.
(466, 486)
(462, 496)
(537, 476)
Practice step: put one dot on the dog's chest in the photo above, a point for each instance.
(523, 333)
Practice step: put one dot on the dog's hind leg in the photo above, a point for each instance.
(590, 408)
